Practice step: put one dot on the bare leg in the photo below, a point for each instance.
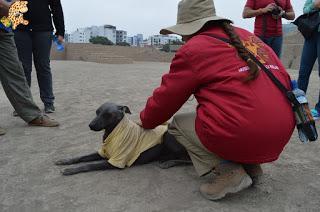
(86, 158)
(102, 165)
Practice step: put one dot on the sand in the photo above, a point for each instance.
(29, 181)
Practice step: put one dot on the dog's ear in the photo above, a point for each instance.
(124, 109)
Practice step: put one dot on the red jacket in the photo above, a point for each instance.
(242, 122)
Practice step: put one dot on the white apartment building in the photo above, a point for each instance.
(135, 40)
(160, 40)
(83, 35)
(109, 32)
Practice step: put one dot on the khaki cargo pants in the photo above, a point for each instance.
(13, 79)
(182, 128)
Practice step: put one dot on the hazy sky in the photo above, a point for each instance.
(145, 16)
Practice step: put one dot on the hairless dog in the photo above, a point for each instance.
(170, 153)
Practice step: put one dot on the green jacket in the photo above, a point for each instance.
(309, 7)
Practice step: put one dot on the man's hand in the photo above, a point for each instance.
(60, 39)
(317, 3)
(268, 8)
(281, 13)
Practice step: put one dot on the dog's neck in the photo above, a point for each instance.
(110, 128)
(106, 133)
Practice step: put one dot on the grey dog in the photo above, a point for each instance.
(169, 152)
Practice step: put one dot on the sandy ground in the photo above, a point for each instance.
(29, 181)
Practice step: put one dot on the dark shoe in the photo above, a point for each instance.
(15, 114)
(2, 131)
(49, 109)
(44, 121)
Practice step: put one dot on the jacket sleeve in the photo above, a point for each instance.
(308, 6)
(175, 89)
(57, 14)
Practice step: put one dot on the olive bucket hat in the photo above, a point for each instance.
(192, 16)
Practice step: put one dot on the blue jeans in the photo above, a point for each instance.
(310, 53)
(275, 43)
(38, 45)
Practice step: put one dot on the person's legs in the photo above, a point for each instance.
(276, 45)
(42, 42)
(182, 128)
(13, 80)
(266, 40)
(308, 58)
(230, 178)
(318, 53)
(15, 84)
(24, 45)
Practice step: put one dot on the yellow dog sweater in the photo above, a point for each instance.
(127, 141)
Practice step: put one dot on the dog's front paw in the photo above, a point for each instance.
(63, 162)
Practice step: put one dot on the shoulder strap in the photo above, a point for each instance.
(287, 92)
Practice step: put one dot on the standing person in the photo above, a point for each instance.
(35, 40)
(310, 53)
(13, 80)
(231, 130)
(268, 20)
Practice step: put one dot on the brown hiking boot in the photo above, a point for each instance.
(2, 131)
(44, 121)
(254, 171)
(230, 178)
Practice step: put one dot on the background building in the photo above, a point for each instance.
(83, 35)
(287, 28)
(135, 40)
(160, 40)
(121, 36)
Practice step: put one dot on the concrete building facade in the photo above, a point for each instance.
(160, 40)
(121, 36)
(83, 35)
(136, 40)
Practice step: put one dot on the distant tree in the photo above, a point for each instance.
(100, 40)
(123, 44)
(166, 48)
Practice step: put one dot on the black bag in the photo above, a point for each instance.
(308, 23)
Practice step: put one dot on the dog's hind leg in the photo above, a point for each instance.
(85, 158)
(88, 167)
(174, 154)
(173, 148)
